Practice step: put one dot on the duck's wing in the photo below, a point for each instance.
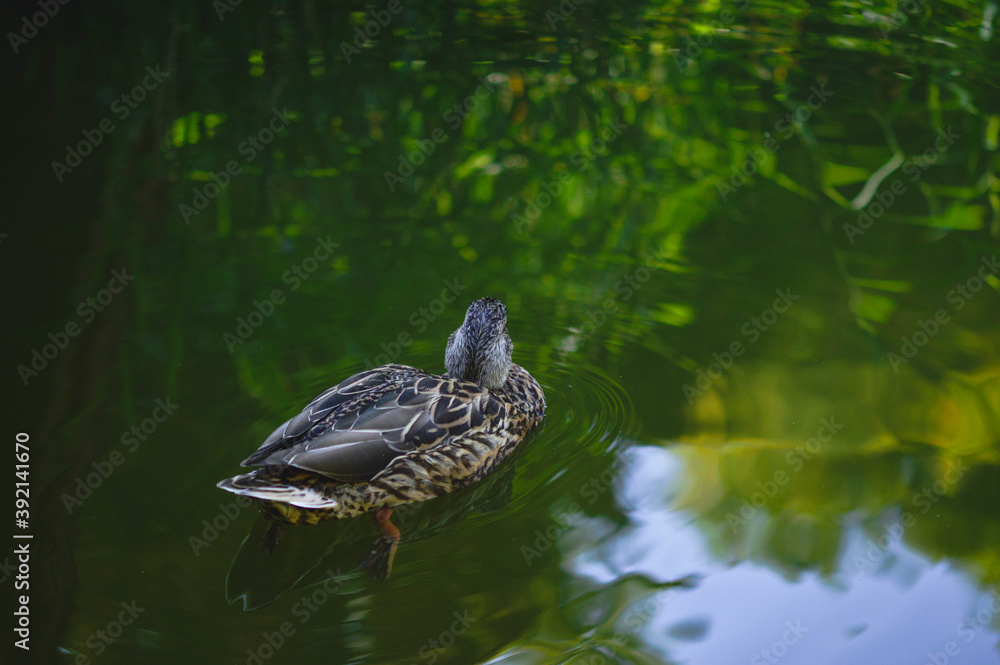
(394, 417)
(352, 394)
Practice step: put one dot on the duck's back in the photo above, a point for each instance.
(356, 429)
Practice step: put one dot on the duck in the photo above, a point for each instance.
(396, 435)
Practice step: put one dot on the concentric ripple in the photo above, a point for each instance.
(587, 410)
(588, 414)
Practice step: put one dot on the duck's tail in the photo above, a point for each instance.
(272, 484)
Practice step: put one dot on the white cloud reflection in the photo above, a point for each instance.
(904, 608)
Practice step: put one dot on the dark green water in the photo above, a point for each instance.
(749, 250)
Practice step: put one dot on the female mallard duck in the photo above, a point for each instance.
(397, 434)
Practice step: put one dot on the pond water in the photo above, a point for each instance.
(749, 250)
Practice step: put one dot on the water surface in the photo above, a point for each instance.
(749, 250)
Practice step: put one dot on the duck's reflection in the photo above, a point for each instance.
(337, 555)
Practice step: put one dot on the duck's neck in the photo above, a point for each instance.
(484, 362)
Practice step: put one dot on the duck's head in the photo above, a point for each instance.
(480, 350)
